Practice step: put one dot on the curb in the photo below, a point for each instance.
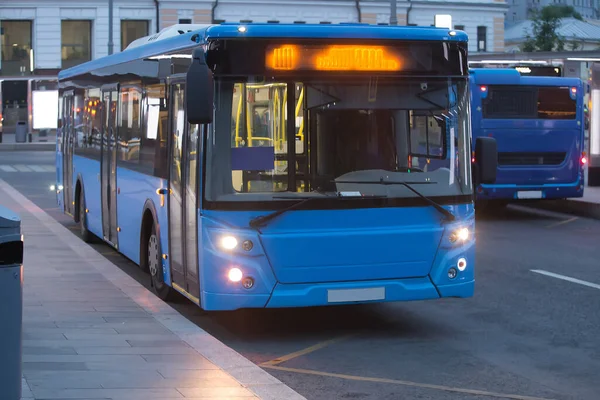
(579, 208)
(36, 146)
(264, 385)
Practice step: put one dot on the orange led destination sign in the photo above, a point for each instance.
(332, 58)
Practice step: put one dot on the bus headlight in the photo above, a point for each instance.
(461, 234)
(235, 275)
(228, 242)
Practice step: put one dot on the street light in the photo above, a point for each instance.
(393, 14)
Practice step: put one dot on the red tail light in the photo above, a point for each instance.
(583, 158)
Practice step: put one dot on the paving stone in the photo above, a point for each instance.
(93, 332)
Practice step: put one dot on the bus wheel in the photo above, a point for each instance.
(86, 235)
(163, 291)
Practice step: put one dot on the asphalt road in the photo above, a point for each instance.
(523, 334)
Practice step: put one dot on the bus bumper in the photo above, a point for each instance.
(534, 192)
(329, 294)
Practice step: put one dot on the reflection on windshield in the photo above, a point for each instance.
(363, 130)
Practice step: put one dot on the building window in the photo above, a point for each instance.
(481, 38)
(76, 42)
(459, 27)
(185, 21)
(132, 30)
(15, 41)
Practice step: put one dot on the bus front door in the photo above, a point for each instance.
(108, 167)
(67, 150)
(183, 243)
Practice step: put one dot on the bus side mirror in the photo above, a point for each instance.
(486, 159)
(199, 90)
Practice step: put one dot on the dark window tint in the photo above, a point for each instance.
(518, 102)
(556, 103)
(129, 120)
(89, 131)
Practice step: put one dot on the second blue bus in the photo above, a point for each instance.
(538, 124)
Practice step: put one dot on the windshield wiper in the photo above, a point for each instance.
(449, 216)
(262, 220)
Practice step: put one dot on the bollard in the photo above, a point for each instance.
(11, 304)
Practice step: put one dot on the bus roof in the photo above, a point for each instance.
(176, 38)
(510, 76)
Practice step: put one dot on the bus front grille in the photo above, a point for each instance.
(531, 158)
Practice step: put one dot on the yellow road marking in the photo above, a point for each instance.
(406, 383)
(566, 221)
(303, 352)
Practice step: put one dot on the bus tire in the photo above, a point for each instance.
(154, 265)
(81, 216)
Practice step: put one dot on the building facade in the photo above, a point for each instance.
(521, 9)
(39, 38)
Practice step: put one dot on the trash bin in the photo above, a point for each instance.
(21, 132)
(11, 304)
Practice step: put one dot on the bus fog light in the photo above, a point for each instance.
(461, 264)
(247, 245)
(229, 242)
(235, 274)
(452, 273)
(248, 283)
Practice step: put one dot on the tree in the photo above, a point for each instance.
(545, 24)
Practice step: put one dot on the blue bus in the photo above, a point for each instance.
(538, 123)
(268, 165)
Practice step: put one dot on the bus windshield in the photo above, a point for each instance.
(349, 135)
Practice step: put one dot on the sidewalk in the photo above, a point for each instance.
(44, 143)
(93, 332)
(586, 206)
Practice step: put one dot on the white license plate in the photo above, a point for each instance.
(529, 194)
(346, 295)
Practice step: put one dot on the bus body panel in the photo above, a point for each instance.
(541, 156)
(134, 189)
(307, 269)
(87, 170)
(556, 153)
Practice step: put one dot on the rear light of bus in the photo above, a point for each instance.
(583, 158)
(573, 93)
(483, 88)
